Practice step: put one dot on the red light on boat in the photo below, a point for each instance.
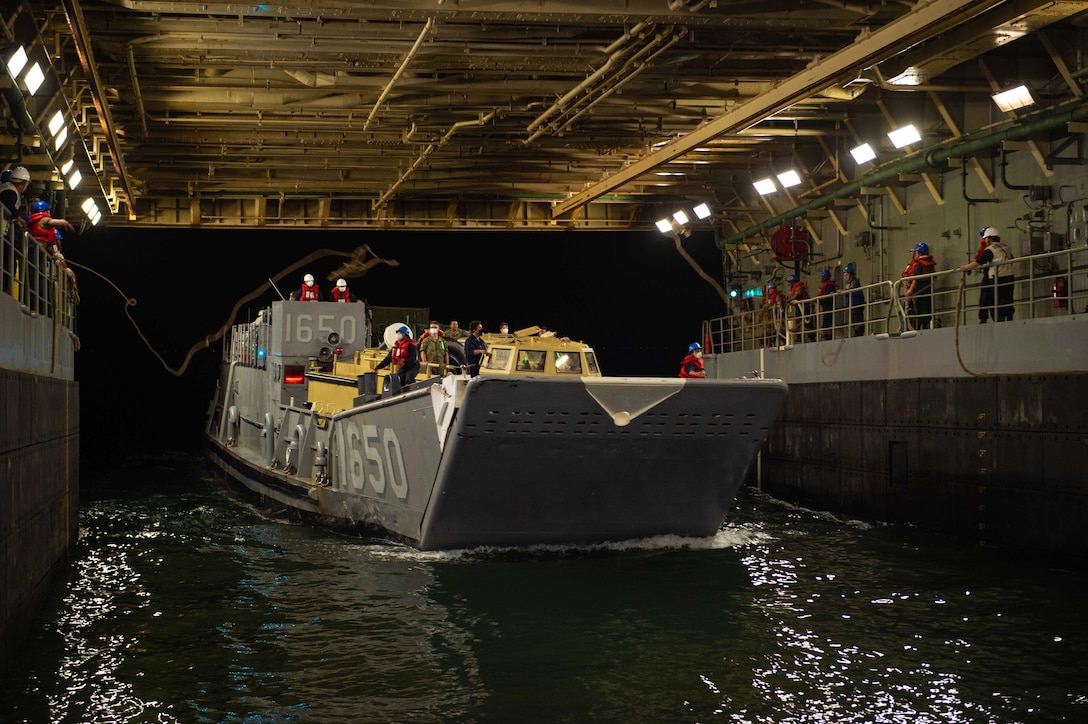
(294, 375)
(339, 351)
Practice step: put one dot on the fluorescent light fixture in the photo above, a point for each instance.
(664, 226)
(702, 211)
(96, 218)
(56, 122)
(34, 78)
(89, 206)
(17, 62)
(60, 139)
(764, 186)
(1013, 98)
(64, 169)
(74, 179)
(789, 179)
(863, 153)
(681, 217)
(904, 136)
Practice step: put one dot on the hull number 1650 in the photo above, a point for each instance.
(375, 456)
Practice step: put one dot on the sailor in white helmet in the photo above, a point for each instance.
(341, 293)
(11, 191)
(998, 278)
(308, 292)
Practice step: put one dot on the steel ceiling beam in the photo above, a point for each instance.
(924, 21)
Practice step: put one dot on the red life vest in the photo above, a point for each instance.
(827, 287)
(308, 294)
(47, 236)
(798, 291)
(400, 351)
(689, 360)
(338, 296)
(925, 264)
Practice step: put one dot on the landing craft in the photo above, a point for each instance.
(538, 448)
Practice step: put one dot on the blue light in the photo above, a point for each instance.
(260, 353)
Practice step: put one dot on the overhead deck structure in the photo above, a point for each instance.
(474, 114)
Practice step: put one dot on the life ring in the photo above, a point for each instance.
(456, 351)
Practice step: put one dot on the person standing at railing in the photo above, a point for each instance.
(919, 293)
(827, 303)
(855, 301)
(998, 278)
(692, 365)
(11, 194)
(801, 315)
(774, 305)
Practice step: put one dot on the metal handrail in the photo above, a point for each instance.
(29, 274)
(1046, 285)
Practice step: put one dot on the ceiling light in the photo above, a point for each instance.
(664, 226)
(1013, 98)
(764, 186)
(702, 211)
(789, 179)
(56, 122)
(60, 139)
(34, 78)
(96, 218)
(67, 166)
(89, 206)
(904, 136)
(863, 153)
(17, 61)
(681, 217)
(74, 179)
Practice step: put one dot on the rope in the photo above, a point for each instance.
(358, 265)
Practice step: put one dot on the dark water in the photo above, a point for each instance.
(186, 604)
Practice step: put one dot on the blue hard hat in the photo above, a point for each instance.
(39, 206)
(404, 330)
(5, 177)
(922, 248)
(825, 274)
(848, 270)
(792, 278)
(694, 346)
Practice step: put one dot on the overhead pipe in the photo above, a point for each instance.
(963, 182)
(1004, 175)
(431, 148)
(923, 160)
(399, 72)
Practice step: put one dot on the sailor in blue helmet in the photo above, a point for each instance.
(919, 291)
(404, 355)
(45, 229)
(800, 314)
(692, 366)
(855, 300)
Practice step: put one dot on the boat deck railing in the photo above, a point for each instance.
(248, 345)
(1046, 285)
(30, 275)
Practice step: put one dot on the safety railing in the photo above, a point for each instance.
(1041, 286)
(30, 275)
(249, 341)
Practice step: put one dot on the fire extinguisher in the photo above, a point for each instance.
(1061, 298)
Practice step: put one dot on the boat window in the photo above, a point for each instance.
(499, 358)
(531, 360)
(591, 363)
(568, 363)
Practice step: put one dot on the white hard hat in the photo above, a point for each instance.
(309, 278)
(990, 231)
(341, 284)
(19, 173)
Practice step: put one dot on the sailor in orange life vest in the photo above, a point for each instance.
(341, 293)
(308, 292)
(43, 227)
(404, 355)
(692, 366)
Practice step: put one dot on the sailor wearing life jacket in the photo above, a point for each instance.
(919, 291)
(998, 277)
(11, 193)
(44, 228)
(692, 366)
(341, 293)
(404, 356)
(308, 292)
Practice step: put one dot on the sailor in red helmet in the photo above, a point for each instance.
(404, 355)
(692, 366)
